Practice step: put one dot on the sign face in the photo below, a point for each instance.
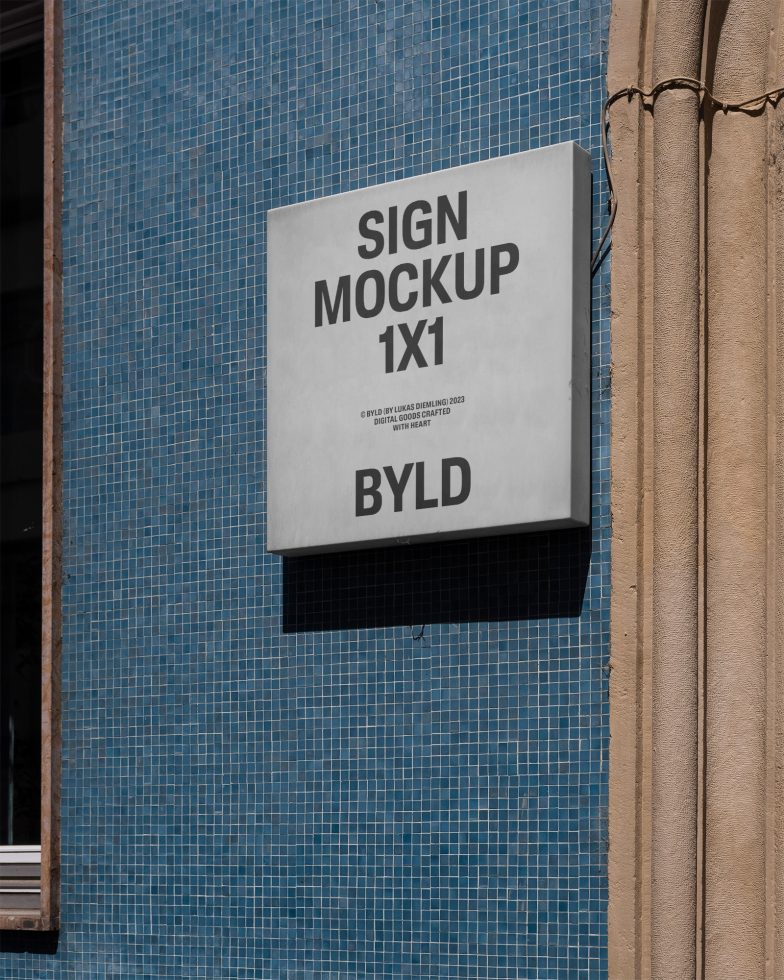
(429, 368)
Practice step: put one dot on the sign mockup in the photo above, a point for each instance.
(429, 370)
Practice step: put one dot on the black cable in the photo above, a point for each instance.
(648, 99)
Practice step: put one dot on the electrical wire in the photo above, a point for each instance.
(648, 99)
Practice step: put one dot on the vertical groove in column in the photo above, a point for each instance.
(777, 379)
(736, 504)
(676, 242)
(627, 933)
(773, 715)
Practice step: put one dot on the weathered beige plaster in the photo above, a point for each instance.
(673, 649)
(775, 830)
(628, 865)
(736, 515)
(696, 858)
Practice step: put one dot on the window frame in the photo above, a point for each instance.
(46, 917)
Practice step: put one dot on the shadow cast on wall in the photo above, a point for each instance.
(506, 578)
(28, 942)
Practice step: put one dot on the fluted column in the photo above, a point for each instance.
(702, 391)
(676, 331)
(737, 503)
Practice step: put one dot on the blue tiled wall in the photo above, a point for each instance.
(383, 765)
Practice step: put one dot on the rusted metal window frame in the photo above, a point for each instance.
(47, 916)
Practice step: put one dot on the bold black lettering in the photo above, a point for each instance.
(342, 299)
(372, 275)
(374, 236)
(447, 498)
(422, 502)
(393, 230)
(426, 227)
(398, 305)
(459, 221)
(436, 329)
(387, 338)
(461, 290)
(363, 491)
(398, 486)
(412, 345)
(431, 281)
(496, 269)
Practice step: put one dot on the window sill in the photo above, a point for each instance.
(19, 921)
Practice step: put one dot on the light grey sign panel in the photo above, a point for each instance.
(429, 370)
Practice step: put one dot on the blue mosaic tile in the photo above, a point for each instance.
(380, 765)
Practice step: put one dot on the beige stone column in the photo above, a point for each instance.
(775, 927)
(697, 864)
(676, 331)
(736, 501)
(628, 893)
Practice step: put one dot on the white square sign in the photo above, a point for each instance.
(429, 368)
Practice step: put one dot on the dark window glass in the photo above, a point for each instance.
(21, 400)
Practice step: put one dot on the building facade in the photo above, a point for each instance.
(373, 764)
(546, 755)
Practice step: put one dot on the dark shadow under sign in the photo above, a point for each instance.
(506, 578)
